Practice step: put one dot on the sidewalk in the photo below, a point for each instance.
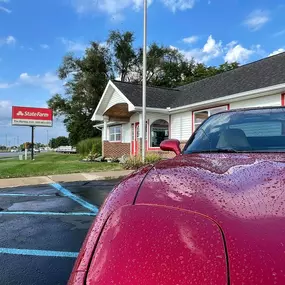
(62, 178)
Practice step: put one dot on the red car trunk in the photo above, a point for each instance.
(157, 245)
(243, 193)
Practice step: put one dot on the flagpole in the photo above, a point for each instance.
(144, 82)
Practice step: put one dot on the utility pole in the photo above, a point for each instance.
(144, 80)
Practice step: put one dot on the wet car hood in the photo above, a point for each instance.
(243, 193)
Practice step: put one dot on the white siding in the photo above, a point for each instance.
(135, 118)
(152, 117)
(181, 126)
(126, 133)
(265, 101)
(116, 98)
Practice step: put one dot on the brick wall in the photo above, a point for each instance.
(167, 154)
(118, 149)
(115, 149)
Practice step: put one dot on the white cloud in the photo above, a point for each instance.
(115, 8)
(44, 46)
(5, 10)
(256, 20)
(10, 40)
(212, 48)
(237, 52)
(47, 81)
(209, 51)
(190, 40)
(181, 5)
(5, 111)
(280, 33)
(73, 46)
(280, 50)
(4, 85)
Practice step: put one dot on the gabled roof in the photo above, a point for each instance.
(157, 97)
(256, 75)
(259, 74)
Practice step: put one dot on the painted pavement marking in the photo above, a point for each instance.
(35, 252)
(47, 213)
(75, 198)
(25, 195)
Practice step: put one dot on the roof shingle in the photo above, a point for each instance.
(263, 73)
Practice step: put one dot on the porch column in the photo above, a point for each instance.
(106, 120)
(140, 125)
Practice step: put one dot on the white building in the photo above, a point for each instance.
(176, 113)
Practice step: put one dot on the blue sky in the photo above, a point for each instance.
(35, 35)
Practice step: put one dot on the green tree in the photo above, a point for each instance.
(86, 79)
(123, 52)
(59, 141)
(24, 145)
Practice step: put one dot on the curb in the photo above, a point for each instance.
(62, 178)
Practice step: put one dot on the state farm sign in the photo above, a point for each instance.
(27, 116)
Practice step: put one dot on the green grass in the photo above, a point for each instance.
(50, 164)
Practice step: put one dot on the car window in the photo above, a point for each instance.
(261, 130)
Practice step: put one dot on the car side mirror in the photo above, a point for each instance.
(171, 145)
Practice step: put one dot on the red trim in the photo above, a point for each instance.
(283, 99)
(206, 109)
(148, 143)
(134, 140)
(212, 107)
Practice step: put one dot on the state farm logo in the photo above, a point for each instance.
(32, 114)
(20, 113)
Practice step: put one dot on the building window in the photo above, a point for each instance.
(158, 132)
(115, 133)
(201, 116)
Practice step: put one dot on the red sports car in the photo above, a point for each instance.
(215, 214)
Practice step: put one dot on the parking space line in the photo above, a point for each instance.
(46, 253)
(25, 195)
(48, 213)
(75, 198)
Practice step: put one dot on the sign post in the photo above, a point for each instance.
(32, 117)
(32, 140)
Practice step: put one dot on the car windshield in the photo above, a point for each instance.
(258, 130)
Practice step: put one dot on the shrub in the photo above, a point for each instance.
(90, 147)
(152, 158)
(135, 162)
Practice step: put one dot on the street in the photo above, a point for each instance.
(43, 228)
(10, 154)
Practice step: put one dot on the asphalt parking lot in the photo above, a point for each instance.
(43, 227)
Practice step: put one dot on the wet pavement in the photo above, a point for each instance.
(42, 229)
